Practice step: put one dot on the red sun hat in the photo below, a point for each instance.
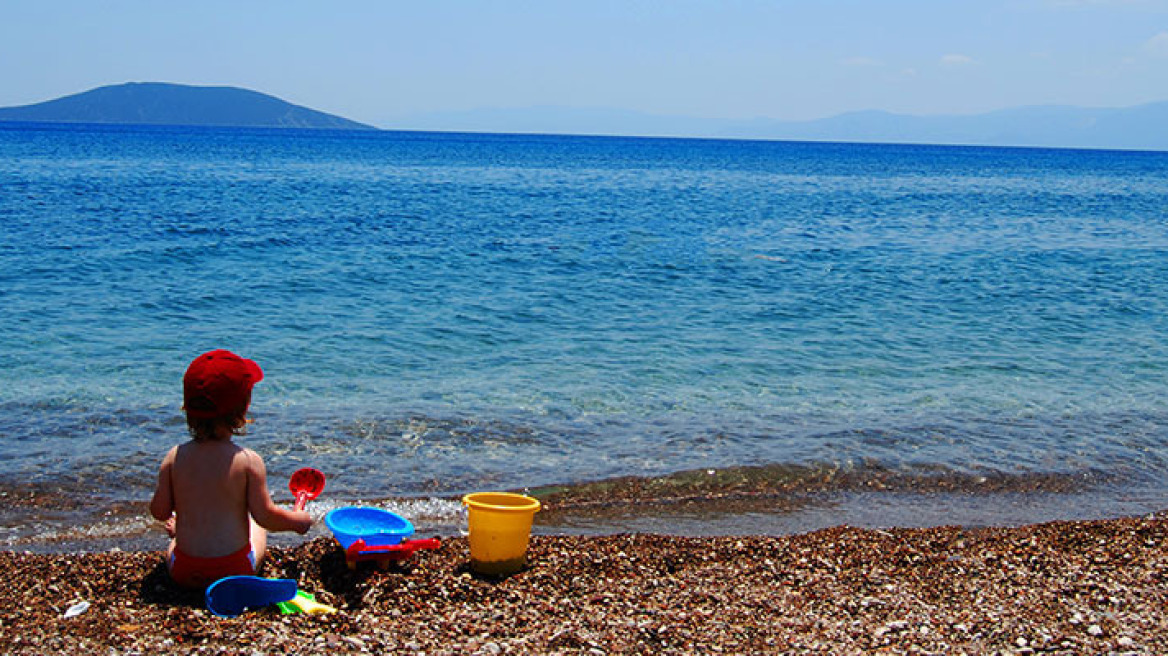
(218, 384)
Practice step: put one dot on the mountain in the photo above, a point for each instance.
(156, 103)
(1143, 127)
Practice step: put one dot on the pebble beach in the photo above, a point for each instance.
(1087, 587)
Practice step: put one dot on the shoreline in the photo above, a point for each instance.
(770, 500)
(1058, 587)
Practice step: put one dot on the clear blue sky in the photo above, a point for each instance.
(381, 61)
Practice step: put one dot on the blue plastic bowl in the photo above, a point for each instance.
(376, 526)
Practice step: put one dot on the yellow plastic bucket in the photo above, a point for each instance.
(500, 526)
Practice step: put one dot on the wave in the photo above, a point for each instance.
(775, 498)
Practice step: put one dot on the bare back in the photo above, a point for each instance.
(215, 488)
(209, 480)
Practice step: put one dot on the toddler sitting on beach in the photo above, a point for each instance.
(212, 493)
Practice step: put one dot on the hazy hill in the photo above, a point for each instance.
(1144, 127)
(156, 103)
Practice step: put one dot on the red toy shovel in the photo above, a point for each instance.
(389, 553)
(306, 484)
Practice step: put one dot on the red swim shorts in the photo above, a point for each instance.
(195, 572)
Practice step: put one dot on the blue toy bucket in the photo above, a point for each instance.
(375, 526)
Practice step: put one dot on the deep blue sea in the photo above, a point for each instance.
(444, 313)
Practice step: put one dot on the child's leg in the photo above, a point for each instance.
(259, 543)
(170, 530)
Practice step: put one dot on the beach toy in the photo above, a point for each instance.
(231, 596)
(387, 553)
(500, 527)
(306, 484)
(374, 526)
(374, 534)
(304, 602)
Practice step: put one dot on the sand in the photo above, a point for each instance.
(1058, 588)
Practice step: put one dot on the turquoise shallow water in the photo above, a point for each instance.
(441, 313)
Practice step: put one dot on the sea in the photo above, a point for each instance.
(874, 335)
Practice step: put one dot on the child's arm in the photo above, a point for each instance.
(259, 502)
(162, 503)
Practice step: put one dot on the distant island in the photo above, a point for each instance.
(157, 103)
(1142, 127)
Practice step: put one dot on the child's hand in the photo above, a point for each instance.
(306, 523)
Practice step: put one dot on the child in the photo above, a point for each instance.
(212, 493)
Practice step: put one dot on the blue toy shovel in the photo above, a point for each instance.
(231, 596)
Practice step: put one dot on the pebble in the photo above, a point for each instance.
(836, 588)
